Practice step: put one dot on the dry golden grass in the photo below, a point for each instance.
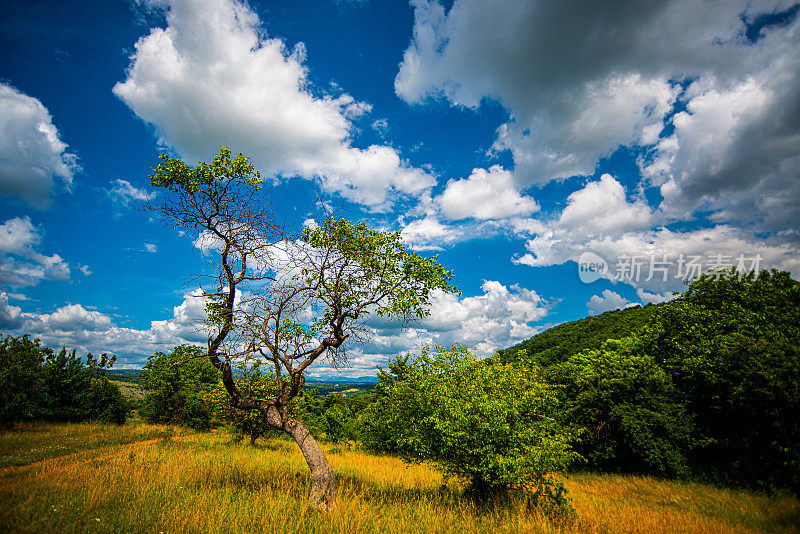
(209, 484)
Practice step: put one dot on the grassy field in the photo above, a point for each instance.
(141, 478)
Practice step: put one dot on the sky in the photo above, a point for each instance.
(562, 158)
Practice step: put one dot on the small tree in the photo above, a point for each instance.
(176, 385)
(489, 424)
(290, 300)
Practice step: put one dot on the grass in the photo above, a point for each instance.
(33, 442)
(207, 483)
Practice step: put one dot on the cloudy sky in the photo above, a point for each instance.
(521, 141)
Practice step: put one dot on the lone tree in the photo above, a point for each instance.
(287, 300)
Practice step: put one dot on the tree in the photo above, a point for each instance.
(628, 406)
(38, 383)
(488, 423)
(731, 343)
(290, 300)
(176, 385)
(21, 384)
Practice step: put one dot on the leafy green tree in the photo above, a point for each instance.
(21, 382)
(38, 383)
(77, 391)
(731, 343)
(290, 300)
(490, 424)
(177, 384)
(626, 403)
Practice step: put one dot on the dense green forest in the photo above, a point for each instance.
(704, 387)
(559, 342)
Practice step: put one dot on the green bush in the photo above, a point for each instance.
(177, 385)
(21, 381)
(37, 383)
(491, 425)
(627, 405)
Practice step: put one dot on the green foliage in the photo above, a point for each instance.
(706, 385)
(626, 403)
(177, 385)
(177, 176)
(21, 382)
(404, 279)
(560, 342)
(491, 425)
(37, 383)
(732, 345)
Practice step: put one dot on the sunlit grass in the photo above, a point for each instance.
(32, 442)
(210, 484)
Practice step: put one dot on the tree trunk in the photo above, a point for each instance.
(323, 479)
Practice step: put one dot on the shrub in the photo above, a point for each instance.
(177, 385)
(491, 425)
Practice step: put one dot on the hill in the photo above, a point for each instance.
(123, 375)
(559, 342)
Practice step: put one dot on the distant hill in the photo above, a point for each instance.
(123, 375)
(559, 342)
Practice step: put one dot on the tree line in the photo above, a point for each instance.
(38, 383)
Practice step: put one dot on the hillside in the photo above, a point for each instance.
(123, 375)
(566, 339)
(147, 478)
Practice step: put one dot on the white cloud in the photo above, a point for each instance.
(151, 248)
(123, 193)
(88, 330)
(654, 298)
(602, 207)
(609, 301)
(381, 127)
(213, 78)
(497, 318)
(580, 80)
(485, 195)
(10, 316)
(32, 157)
(428, 233)
(76, 317)
(85, 270)
(20, 263)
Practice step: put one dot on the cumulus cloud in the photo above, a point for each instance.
(600, 219)
(497, 318)
(33, 159)
(212, 77)
(581, 80)
(485, 195)
(428, 233)
(602, 207)
(88, 330)
(10, 316)
(122, 193)
(609, 301)
(20, 263)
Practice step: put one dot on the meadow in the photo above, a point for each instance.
(149, 478)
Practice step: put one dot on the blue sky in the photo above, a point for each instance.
(517, 140)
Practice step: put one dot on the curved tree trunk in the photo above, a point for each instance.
(323, 479)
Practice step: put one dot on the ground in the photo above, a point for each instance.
(144, 478)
